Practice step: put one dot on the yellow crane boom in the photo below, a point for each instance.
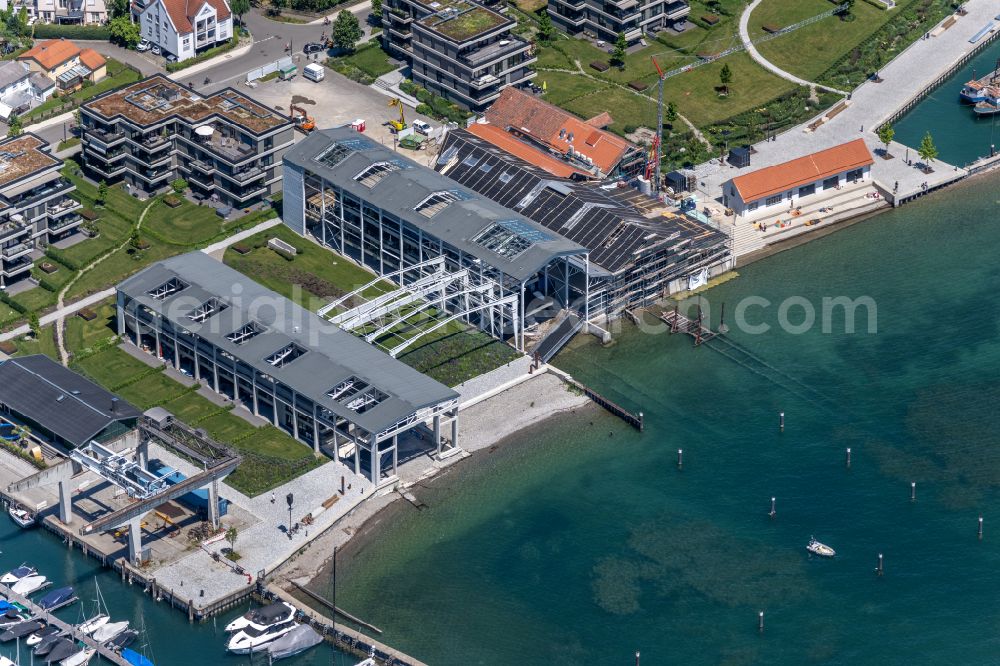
(400, 124)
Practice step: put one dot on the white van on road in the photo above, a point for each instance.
(314, 72)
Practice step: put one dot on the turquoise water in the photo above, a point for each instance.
(958, 133)
(579, 542)
(170, 640)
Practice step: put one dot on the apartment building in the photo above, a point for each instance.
(460, 50)
(83, 12)
(183, 28)
(604, 19)
(35, 207)
(226, 145)
(65, 63)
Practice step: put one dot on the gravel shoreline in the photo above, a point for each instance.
(481, 426)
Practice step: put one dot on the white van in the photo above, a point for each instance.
(422, 127)
(314, 72)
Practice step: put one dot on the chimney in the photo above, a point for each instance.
(114, 405)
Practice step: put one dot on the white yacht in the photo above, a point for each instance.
(263, 617)
(821, 549)
(93, 624)
(21, 516)
(17, 574)
(251, 639)
(109, 631)
(28, 585)
(80, 658)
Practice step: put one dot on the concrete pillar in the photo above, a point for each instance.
(295, 419)
(376, 461)
(135, 540)
(454, 430)
(357, 457)
(336, 441)
(65, 502)
(143, 452)
(395, 453)
(213, 504)
(437, 433)
(315, 417)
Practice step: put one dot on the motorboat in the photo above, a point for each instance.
(46, 644)
(21, 629)
(123, 640)
(40, 635)
(57, 599)
(12, 617)
(62, 648)
(17, 574)
(4, 661)
(135, 659)
(28, 585)
(21, 516)
(109, 631)
(80, 658)
(264, 616)
(93, 624)
(296, 641)
(251, 639)
(821, 549)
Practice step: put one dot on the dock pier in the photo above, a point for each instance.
(105, 653)
(694, 327)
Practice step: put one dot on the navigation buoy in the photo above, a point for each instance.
(781, 421)
(879, 570)
(760, 621)
(848, 456)
(680, 458)
(980, 528)
(773, 512)
(913, 491)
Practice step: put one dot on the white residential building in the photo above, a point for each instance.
(21, 89)
(86, 12)
(185, 27)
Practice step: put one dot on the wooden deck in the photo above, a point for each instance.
(694, 327)
(105, 653)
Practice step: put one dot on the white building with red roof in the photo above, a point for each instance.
(185, 27)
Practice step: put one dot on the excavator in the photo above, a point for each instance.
(398, 125)
(303, 121)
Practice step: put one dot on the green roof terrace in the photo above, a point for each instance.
(460, 20)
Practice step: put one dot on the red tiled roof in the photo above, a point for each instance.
(92, 59)
(51, 53)
(782, 177)
(505, 141)
(182, 11)
(601, 120)
(553, 126)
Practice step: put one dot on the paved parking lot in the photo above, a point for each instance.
(336, 101)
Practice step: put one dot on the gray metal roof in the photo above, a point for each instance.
(64, 402)
(11, 72)
(402, 190)
(333, 355)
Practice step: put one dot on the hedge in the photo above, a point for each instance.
(55, 31)
(60, 256)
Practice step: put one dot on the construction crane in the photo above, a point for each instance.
(657, 140)
(398, 125)
(303, 121)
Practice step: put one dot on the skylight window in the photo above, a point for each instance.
(347, 388)
(246, 332)
(436, 202)
(334, 155)
(370, 398)
(168, 288)
(502, 241)
(373, 175)
(285, 355)
(212, 306)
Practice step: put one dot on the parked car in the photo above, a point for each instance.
(422, 127)
(143, 46)
(313, 47)
(171, 58)
(155, 50)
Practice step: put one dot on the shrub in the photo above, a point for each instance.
(89, 214)
(179, 185)
(55, 31)
(172, 201)
(628, 129)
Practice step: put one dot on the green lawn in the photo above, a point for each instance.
(81, 334)
(187, 224)
(227, 427)
(371, 60)
(313, 278)
(45, 344)
(35, 299)
(812, 49)
(112, 367)
(191, 408)
(119, 265)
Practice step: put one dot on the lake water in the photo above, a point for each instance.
(958, 133)
(580, 541)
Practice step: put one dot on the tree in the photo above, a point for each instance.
(239, 7)
(885, 134)
(848, 8)
(23, 432)
(35, 325)
(179, 185)
(102, 192)
(231, 535)
(14, 126)
(726, 77)
(134, 240)
(119, 8)
(124, 32)
(346, 30)
(545, 29)
(377, 10)
(671, 113)
(618, 55)
(928, 151)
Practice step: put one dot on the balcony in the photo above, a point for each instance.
(677, 10)
(65, 224)
(63, 207)
(38, 195)
(105, 170)
(105, 138)
(14, 251)
(203, 167)
(496, 50)
(17, 266)
(228, 148)
(11, 230)
(202, 181)
(246, 175)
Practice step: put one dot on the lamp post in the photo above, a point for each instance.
(290, 499)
